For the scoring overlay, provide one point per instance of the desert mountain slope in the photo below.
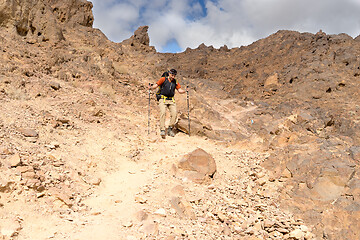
(280, 118)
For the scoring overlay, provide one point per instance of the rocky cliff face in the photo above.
(44, 20)
(306, 89)
(292, 97)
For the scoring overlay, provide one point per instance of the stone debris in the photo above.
(232, 207)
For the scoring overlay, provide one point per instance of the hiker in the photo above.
(165, 95)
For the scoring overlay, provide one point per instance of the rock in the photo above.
(98, 112)
(91, 180)
(309, 235)
(262, 181)
(5, 184)
(182, 208)
(286, 173)
(195, 177)
(141, 216)
(14, 160)
(199, 161)
(283, 230)
(221, 216)
(326, 189)
(178, 191)
(272, 80)
(55, 85)
(140, 36)
(62, 195)
(355, 153)
(268, 223)
(32, 19)
(196, 127)
(5, 151)
(161, 212)
(73, 13)
(140, 40)
(28, 132)
(140, 199)
(297, 234)
(128, 224)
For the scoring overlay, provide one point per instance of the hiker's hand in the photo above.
(150, 85)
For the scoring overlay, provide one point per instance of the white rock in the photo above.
(160, 212)
(297, 234)
(304, 228)
(128, 224)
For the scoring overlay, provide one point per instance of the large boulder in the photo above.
(198, 165)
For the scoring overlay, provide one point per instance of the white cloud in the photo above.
(228, 22)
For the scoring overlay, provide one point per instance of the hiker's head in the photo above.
(173, 72)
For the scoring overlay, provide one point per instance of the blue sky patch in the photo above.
(171, 46)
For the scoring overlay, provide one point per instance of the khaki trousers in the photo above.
(168, 104)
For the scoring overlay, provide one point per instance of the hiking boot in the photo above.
(170, 132)
(162, 133)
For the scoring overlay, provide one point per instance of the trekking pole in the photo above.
(188, 106)
(149, 111)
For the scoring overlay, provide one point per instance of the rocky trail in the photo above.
(137, 199)
(86, 175)
(132, 186)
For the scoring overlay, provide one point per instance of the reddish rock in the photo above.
(27, 132)
(200, 162)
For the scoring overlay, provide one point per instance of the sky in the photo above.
(175, 25)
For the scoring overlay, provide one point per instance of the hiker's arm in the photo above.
(153, 86)
(158, 83)
(181, 91)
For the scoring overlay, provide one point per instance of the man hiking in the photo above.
(167, 85)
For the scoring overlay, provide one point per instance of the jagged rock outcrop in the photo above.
(73, 12)
(31, 19)
(42, 20)
(140, 40)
